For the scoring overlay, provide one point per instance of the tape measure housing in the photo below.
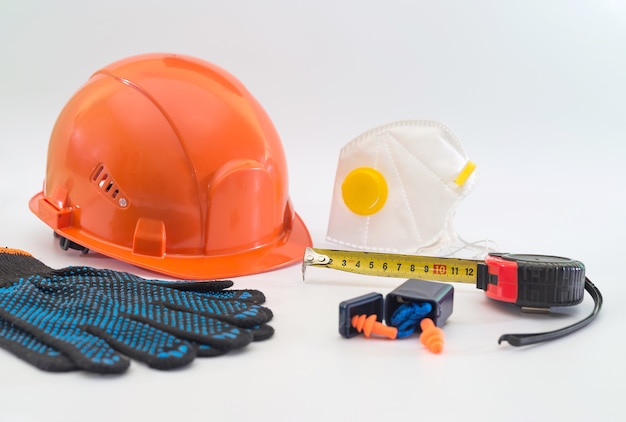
(535, 281)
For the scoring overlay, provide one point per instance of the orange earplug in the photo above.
(368, 326)
(432, 337)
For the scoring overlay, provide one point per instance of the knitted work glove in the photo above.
(95, 319)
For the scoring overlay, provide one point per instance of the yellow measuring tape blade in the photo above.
(393, 265)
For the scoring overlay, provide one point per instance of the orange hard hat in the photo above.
(167, 162)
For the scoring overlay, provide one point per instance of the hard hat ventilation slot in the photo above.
(102, 178)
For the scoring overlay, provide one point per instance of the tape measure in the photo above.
(532, 282)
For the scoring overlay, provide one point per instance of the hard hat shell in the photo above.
(167, 162)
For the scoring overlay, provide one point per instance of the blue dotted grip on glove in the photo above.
(96, 319)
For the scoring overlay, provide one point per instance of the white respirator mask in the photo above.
(397, 188)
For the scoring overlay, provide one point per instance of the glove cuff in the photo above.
(16, 263)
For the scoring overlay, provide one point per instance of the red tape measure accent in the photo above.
(502, 282)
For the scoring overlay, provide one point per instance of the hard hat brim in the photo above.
(286, 251)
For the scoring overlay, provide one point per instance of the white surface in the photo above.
(535, 92)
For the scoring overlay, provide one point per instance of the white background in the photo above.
(535, 92)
